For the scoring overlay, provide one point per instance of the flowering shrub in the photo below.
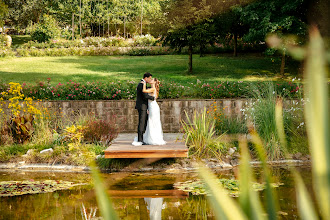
(19, 124)
(168, 90)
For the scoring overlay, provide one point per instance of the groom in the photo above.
(142, 107)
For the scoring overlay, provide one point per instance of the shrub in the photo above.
(2, 41)
(144, 40)
(104, 131)
(46, 30)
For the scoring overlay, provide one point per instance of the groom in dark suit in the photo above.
(142, 107)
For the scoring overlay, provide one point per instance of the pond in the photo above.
(134, 195)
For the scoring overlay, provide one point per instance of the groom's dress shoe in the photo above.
(143, 143)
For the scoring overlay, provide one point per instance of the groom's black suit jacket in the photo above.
(142, 98)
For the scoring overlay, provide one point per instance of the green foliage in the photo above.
(230, 125)
(21, 128)
(46, 30)
(3, 13)
(144, 40)
(274, 16)
(17, 188)
(197, 187)
(199, 136)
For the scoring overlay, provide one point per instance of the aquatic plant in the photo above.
(17, 188)
(199, 136)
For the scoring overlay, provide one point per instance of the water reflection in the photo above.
(155, 207)
(136, 196)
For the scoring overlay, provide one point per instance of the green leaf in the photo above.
(103, 198)
(317, 119)
(224, 207)
(249, 199)
(305, 206)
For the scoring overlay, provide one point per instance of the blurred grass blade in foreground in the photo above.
(317, 119)
(249, 198)
(225, 207)
(103, 199)
(270, 196)
(305, 206)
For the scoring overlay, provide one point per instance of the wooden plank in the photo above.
(148, 193)
(125, 149)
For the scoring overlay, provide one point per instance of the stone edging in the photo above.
(172, 168)
(43, 167)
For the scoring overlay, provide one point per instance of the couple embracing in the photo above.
(150, 130)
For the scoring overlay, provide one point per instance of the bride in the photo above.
(154, 132)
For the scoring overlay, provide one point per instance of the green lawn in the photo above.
(112, 68)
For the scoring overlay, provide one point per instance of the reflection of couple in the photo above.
(155, 206)
(150, 128)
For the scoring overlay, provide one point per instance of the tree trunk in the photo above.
(283, 63)
(190, 51)
(235, 44)
(72, 26)
(201, 50)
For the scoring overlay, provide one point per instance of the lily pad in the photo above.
(197, 187)
(17, 188)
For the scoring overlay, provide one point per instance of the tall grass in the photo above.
(317, 118)
(199, 135)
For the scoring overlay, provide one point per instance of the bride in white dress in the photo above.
(154, 132)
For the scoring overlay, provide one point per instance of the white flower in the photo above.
(283, 88)
(273, 92)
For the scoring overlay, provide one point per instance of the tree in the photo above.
(188, 26)
(229, 26)
(274, 16)
(3, 11)
(21, 13)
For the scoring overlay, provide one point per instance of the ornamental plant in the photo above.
(23, 112)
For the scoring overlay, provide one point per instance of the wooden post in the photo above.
(72, 26)
(235, 44)
(80, 17)
(125, 27)
(190, 51)
(141, 15)
(108, 17)
(282, 63)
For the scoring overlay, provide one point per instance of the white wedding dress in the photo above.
(154, 132)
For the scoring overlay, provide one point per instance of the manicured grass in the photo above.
(112, 68)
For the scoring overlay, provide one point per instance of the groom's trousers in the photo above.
(143, 120)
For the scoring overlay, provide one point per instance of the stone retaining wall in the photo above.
(172, 111)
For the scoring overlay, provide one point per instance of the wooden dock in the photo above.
(125, 149)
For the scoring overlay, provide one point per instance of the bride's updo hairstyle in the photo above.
(157, 82)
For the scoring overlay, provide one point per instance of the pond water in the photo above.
(134, 195)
